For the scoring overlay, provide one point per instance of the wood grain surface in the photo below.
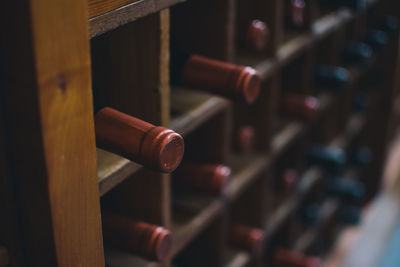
(53, 168)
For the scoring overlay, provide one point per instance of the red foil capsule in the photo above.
(148, 241)
(297, 13)
(247, 238)
(300, 106)
(246, 139)
(222, 78)
(257, 36)
(203, 177)
(289, 180)
(286, 258)
(155, 147)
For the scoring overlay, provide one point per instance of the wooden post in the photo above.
(46, 102)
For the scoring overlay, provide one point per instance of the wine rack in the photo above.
(63, 56)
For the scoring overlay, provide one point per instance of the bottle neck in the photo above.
(330, 77)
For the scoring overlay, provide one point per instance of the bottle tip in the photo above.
(312, 105)
(221, 178)
(249, 84)
(171, 151)
(162, 243)
(257, 35)
(245, 139)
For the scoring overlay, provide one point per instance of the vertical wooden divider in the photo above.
(48, 121)
(357, 25)
(312, 12)
(274, 94)
(306, 79)
(277, 16)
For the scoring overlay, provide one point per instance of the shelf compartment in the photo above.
(355, 124)
(191, 108)
(306, 240)
(104, 18)
(309, 179)
(190, 216)
(245, 170)
(293, 130)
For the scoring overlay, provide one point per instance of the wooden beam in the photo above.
(48, 114)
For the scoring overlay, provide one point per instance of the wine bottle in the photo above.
(155, 147)
(148, 241)
(334, 79)
(361, 102)
(300, 106)
(360, 156)
(245, 139)
(332, 159)
(214, 76)
(356, 53)
(310, 214)
(346, 189)
(296, 13)
(376, 39)
(256, 37)
(246, 238)
(388, 24)
(287, 258)
(352, 4)
(203, 177)
(290, 179)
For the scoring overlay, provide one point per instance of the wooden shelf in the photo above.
(331, 22)
(236, 258)
(190, 108)
(328, 211)
(285, 137)
(117, 258)
(245, 169)
(354, 126)
(112, 19)
(190, 215)
(3, 257)
(113, 169)
(309, 179)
